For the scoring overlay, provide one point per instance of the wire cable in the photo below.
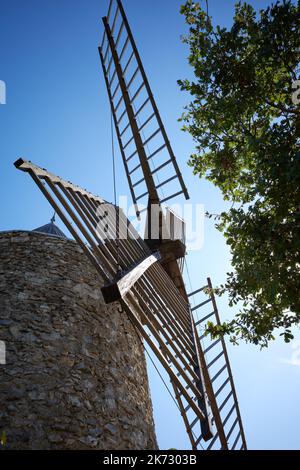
(115, 187)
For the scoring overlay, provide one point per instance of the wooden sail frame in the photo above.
(159, 312)
(123, 90)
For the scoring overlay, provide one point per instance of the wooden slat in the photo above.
(225, 400)
(215, 359)
(232, 428)
(118, 289)
(219, 373)
(201, 305)
(153, 103)
(157, 313)
(197, 291)
(205, 318)
(128, 105)
(120, 70)
(184, 416)
(236, 440)
(25, 165)
(117, 122)
(229, 414)
(175, 329)
(228, 365)
(217, 393)
(211, 346)
(130, 308)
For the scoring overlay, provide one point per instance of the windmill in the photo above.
(144, 275)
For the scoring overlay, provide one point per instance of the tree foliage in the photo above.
(245, 121)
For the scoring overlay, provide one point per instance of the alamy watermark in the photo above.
(2, 353)
(2, 92)
(294, 359)
(178, 222)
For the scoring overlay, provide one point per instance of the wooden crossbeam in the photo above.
(26, 166)
(119, 288)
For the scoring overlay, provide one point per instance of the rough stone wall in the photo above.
(75, 376)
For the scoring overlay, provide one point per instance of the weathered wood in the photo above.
(153, 196)
(174, 324)
(203, 385)
(184, 417)
(151, 97)
(60, 213)
(118, 130)
(129, 308)
(26, 166)
(174, 342)
(228, 365)
(118, 289)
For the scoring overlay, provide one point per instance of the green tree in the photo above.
(244, 117)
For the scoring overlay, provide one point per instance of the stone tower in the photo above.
(75, 374)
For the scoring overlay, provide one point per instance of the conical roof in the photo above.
(51, 229)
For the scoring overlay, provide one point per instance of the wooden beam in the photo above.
(209, 283)
(118, 289)
(131, 306)
(26, 166)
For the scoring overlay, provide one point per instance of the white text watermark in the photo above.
(2, 92)
(178, 222)
(2, 353)
(294, 359)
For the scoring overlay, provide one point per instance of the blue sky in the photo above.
(57, 115)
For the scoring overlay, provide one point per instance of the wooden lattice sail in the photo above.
(150, 164)
(161, 314)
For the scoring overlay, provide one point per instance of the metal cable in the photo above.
(115, 186)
